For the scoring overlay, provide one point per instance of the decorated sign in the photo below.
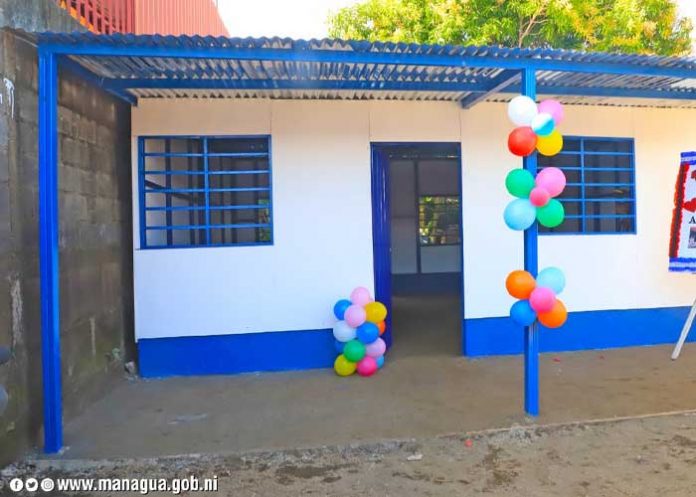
(682, 244)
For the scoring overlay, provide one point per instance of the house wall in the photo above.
(323, 238)
(95, 235)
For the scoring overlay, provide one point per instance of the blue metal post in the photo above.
(48, 250)
(531, 333)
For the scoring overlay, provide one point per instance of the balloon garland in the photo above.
(357, 334)
(536, 130)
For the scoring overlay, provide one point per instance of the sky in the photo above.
(305, 18)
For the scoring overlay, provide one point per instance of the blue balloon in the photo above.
(553, 278)
(367, 332)
(340, 308)
(520, 214)
(339, 346)
(380, 361)
(522, 313)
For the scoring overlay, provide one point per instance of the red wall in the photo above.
(178, 17)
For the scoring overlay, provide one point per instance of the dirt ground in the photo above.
(652, 456)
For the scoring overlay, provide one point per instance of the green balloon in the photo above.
(354, 350)
(552, 214)
(519, 183)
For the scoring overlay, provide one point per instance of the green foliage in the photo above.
(629, 26)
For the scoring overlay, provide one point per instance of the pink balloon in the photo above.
(539, 197)
(552, 180)
(553, 107)
(376, 348)
(367, 366)
(355, 316)
(542, 299)
(360, 296)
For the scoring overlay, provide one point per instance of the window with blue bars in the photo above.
(205, 191)
(600, 196)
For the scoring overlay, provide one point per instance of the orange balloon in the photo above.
(556, 317)
(382, 327)
(520, 284)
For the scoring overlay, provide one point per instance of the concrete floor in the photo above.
(426, 389)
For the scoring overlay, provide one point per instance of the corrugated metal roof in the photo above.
(153, 66)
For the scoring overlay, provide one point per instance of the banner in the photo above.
(682, 244)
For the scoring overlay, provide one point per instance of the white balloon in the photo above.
(343, 333)
(521, 110)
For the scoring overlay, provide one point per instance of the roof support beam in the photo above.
(90, 77)
(293, 84)
(501, 82)
(542, 61)
(480, 90)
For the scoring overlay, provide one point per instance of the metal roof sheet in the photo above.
(154, 66)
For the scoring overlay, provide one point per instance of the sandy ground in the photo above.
(653, 456)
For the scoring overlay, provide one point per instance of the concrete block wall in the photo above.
(95, 242)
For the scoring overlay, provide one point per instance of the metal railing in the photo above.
(102, 16)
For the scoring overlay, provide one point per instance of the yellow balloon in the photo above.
(550, 145)
(376, 312)
(343, 366)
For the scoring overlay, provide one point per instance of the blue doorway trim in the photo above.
(48, 251)
(381, 235)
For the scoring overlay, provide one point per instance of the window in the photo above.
(205, 191)
(438, 220)
(600, 196)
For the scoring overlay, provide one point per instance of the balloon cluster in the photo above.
(535, 198)
(537, 297)
(357, 333)
(536, 126)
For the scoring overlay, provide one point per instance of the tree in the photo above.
(628, 26)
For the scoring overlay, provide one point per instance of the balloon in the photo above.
(550, 145)
(520, 284)
(340, 308)
(522, 313)
(360, 296)
(380, 361)
(376, 312)
(376, 348)
(542, 299)
(539, 196)
(554, 108)
(543, 124)
(367, 332)
(382, 325)
(552, 214)
(355, 315)
(367, 366)
(552, 180)
(343, 366)
(519, 183)
(521, 141)
(343, 332)
(521, 110)
(556, 317)
(339, 346)
(519, 214)
(553, 278)
(354, 350)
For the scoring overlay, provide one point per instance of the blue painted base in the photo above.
(227, 354)
(583, 330)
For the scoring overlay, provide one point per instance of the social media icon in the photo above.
(16, 485)
(31, 485)
(47, 485)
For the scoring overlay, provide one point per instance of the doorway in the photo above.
(417, 212)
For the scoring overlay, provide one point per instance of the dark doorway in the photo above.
(418, 188)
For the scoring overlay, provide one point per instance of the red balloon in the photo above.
(522, 141)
